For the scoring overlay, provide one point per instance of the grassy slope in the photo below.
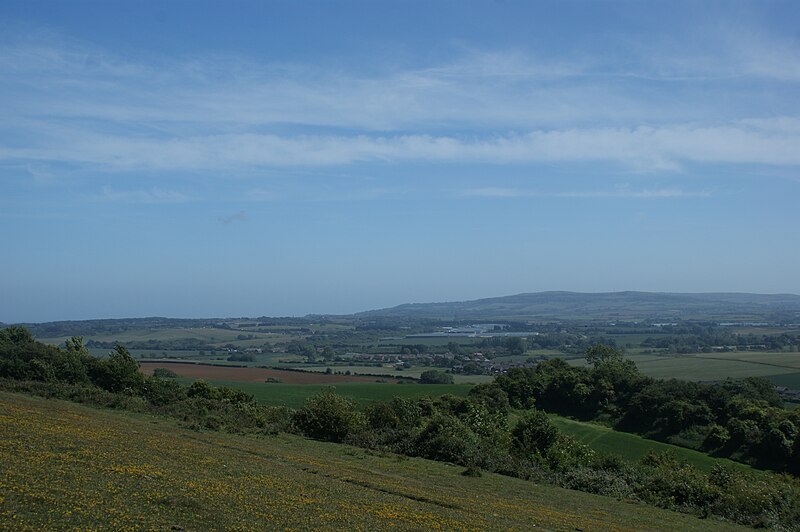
(68, 466)
(633, 447)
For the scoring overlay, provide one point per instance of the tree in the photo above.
(448, 439)
(119, 372)
(164, 373)
(534, 434)
(433, 376)
(491, 396)
(515, 345)
(328, 416)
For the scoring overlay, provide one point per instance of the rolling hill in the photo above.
(607, 306)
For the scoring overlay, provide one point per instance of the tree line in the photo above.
(743, 419)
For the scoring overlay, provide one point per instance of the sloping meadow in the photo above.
(65, 466)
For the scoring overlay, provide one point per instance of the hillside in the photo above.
(70, 466)
(607, 306)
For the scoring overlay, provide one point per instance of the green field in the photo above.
(633, 447)
(294, 395)
(414, 372)
(211, 335)
(432, 341)
(713, 366)
(67, 466)
(790, 380)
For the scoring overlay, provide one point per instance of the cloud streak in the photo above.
(151, 196)
(73, 104)
(645, 149)
(500, 192)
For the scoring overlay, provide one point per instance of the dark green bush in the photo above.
(447, 439)
(164, 373)
(534, 434)
(328, 416)
(433, 376)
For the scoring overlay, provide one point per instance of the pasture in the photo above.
(67, 466)
(632, 447)
(790, 380)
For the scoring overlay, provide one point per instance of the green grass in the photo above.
(67, 466)
(432, 341)
(211, 335)
(632, 447)
(294, 395)
(635, 339)
(790, 380)
(784, 359)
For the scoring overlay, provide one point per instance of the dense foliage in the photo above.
(72, 373)
(743, 419)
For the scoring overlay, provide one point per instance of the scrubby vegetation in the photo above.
(475, 431)
(744, 419)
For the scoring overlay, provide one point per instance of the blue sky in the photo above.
(283, 158)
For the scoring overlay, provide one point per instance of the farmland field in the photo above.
(294, 395)
(223, 373)
(790, 380)
(415, 372)
(713, 366)
(68, 466)
(212, 335)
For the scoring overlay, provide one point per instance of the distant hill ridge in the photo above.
(541, 306)
(609, 305)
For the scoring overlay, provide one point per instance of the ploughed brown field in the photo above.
(226, 373)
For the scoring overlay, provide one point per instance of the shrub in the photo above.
(433, 376)
(492, 396)
(161, 392)
(534, 434)
(447, 439)
(164, 373)
(328, 416)
(118, 373)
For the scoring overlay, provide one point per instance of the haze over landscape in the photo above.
(285, 158)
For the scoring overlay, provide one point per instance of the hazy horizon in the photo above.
(313, 313)
(281, 159)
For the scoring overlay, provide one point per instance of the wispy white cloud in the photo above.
(622, 192)
(74, 104)
(645, 149)
(153, 195)
(509, 89)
